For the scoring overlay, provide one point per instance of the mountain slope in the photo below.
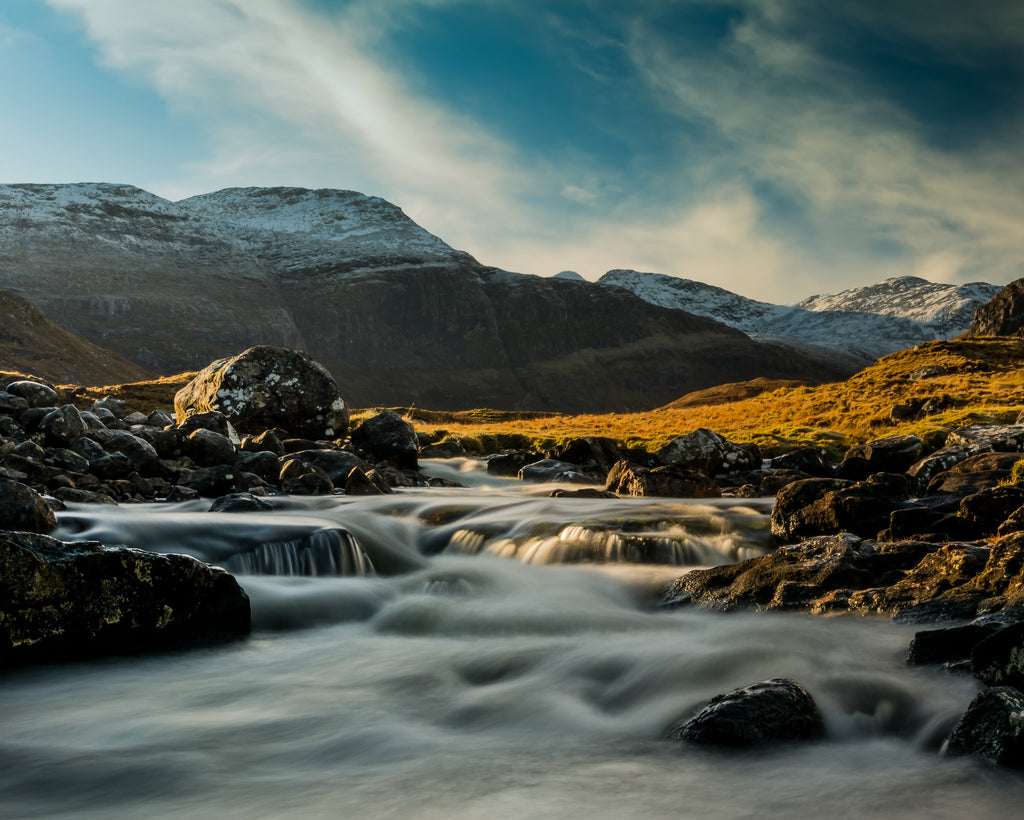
(867, 322)
(31, 344)
(396, 314)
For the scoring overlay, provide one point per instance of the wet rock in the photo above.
(325, 552)
(388, 437)
(75, 495)
(240, 502)
(586, 492)
(336, 463)
(892, 454)
(992, 727)
(998, 660)
(22, 508)
(548, 470)
(268, 440)
(358, 483)
(595, 454)
(809, 460)
(628, 478)
(708, 452)
(212, 482)
(265, 387)
(178, 493)
(822, 506)
(263, 464)
(772, 711)
(209, 449)
(509, 464)
(449, 448)
(949, 644)
(63, 425)
(66, 601)
(816, 575)
(35, 393)
(301, 478)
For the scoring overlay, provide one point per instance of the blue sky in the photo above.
(778, 148)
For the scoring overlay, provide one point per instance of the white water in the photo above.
(469, 686)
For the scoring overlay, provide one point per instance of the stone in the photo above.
(63, 425)
(819, 506)
(240, 502)
(22, 508)
(509, 464)
(998, 660)
(268, 440)
(892, 454)
(992, 727)
(776, 710)
(336, 463)
(266, 387)
(388, 437)
(118, 408)
(35, 393)
(706, 451)
(810, 460)
(209, 449)
(212, 420)
(159, 419)
(11, 404)
(359, 483)
(263, 464)
(449, 448)
(1004, 438)
(548, 469)
(64, 601)
(1003, 316)
(112, 466)
(75, 495)
(212, 482)
(140, 452)
(942, 460)
(301, 478)
(990, 507)
(948, 644)
(628, 478)
(593, 453)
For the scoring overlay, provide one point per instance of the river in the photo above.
(505, 660)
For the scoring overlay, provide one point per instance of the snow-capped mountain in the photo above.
(868, 322)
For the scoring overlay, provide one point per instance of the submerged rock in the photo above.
(771, 711)
(265, 387)
(63, 601)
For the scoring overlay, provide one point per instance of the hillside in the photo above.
(31, 344)
(397, 315)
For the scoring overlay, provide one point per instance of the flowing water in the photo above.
(440, 679)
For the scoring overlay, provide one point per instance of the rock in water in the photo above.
(22, 508)
(992, 727)
(63, 601)
(266, 387)
(388, 437)
(774, 710)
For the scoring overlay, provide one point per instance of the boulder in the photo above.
(892, 454)
(1006, 438)
(925, 469)
(22, 508)
(11, 404)
(359, 483)
(628, 478)
(388, 437)
(593, 453)
(772, 711)
(212, 482)
(261, 463)
(35, 393)
(988, 509)
(209, 449)
(1003, 316)
(548, 470)
(706, 451)
(210, 420)
(998, 660)
(449, 448)
(509, 464)
(819, 506)
(63, 425)
(267, 441)
(301, 478)
(140, 452)
(336, 463)
(949, 644)
(64, 601)
(240, 502)
(992, 727)
(266, 387)
(810, 460)
(118, 408)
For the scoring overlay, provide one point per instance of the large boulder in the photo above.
(22, 508)
(266, 387)
(820, 506)
(892, 454)
(61, 601)
(771, 711)
(991, 727)
(708, 452)
(388, 437)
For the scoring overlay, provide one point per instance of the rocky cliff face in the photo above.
(1003, 316)
(397, 315)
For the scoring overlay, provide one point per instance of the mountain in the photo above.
(397, 315)
(865, 322)
(31, 344)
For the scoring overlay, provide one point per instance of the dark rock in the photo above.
(66, 460)
(22, 508)
(300, 478)
(1014, 523)
(991, 507)
(159, 419)
(66, 601)
(586, 492)
(992, 727)
(265, 387)
(771, 711)
(1008, 438)
(209, 449)
(593, 453)
(240, 502)
(388, 437)
(358, 483)
(11, 404)
(30, 450)
(628, 478)
(548, 470)
(810, 460)
(998, 660)
(141, 453)
(118, 408)
(212, 482)
(210, 420)
(178, 493)
(74, 495)
(336, 463)
(167, 443)
(706, 451)
(892, 454)
(63, 425)
(449, 448)
(297, 445)
(925, 469)
(949, 644)
(36, 394)
(1003, 316)
(773, 482)
(820, 506)
(509, 464)
(267, 440)
(263, 464)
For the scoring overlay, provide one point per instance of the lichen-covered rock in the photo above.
(708, 452)
(63, 425)
(388, 437)
(771, 711)
(992, 727)
(22, 508)
(266, 387)
(35, 393)
(61, 601)
(998, 660)
(1006, 438)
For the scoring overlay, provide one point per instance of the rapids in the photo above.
(439, 679)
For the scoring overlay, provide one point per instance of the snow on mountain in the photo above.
(868, 322)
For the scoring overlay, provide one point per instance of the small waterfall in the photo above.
(324, 552)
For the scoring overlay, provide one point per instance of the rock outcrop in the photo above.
(1003, 316)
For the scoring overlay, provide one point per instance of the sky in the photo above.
(777, 148)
